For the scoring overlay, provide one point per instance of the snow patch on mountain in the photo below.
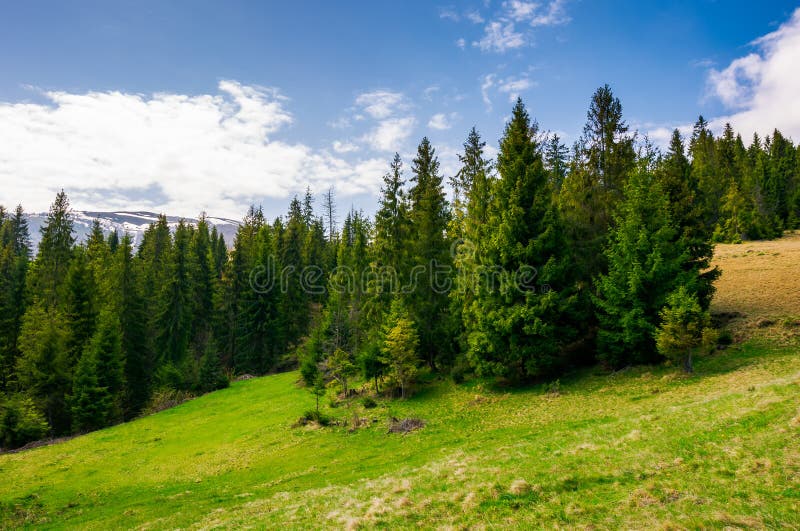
(133, 223)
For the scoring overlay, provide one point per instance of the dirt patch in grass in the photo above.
(405, 425)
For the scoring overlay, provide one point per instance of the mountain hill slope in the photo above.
(133, 223)
(643, 448)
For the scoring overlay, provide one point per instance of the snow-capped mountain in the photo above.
(134, 223)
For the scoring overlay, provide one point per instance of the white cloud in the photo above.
(343, 122)
(759, 88)
(762, 87)
(392, 123)
(515, 86)
(661, 135)
(534, 13)
(512, 86)
(520, 10)
(486, 85)
(441, 121)
(449, 13)
(475, 17)
(167, 152)
(344, 147)
(381, 104)
(500, 37)
(390, 134)
(554, 15)
(702, 63)
(430, 91)
(461, 43)
(734, 84)
(502, 34)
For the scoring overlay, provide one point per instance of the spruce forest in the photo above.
(523, 269)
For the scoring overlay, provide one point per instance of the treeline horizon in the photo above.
(619, 237)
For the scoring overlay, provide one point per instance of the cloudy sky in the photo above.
(182, 107)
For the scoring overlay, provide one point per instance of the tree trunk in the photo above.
(687, 364)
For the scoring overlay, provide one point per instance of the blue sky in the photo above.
(190, 106)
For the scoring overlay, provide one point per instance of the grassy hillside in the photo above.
(642, 448)
(760, 281)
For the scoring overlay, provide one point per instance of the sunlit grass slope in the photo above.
(636, 449)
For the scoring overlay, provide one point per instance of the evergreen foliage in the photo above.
(515, 323)
(400, 347)
(685, 328)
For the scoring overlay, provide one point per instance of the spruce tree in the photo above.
(259, 337)
(55, 252)
(430, 250)
(479, 193)
(80, 307)
(390, 249)
(677, 180)
(392, 224)
(685, 328)
(21, 422)
(474, 168)
(153, 271)
(703, 152)
(475, 180)
(517, 323)
(235, 285)
(646, 262)
(295, 300)
(779, 181)
(129, 304)
(598, 169)
(609, 149)
(329, 210)
(112, 241)
(175, 306)
(18, 227)
(555, 161)
(14, 264)
(98, 386)
(400, 347)
(90, 403)
(308, 207)
(43, 368)
(8, 322)
(211, 377)
(219, 251)
(203, 279)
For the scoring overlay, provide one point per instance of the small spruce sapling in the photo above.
(318, 389)
(685, 329)
(400, 347)
(341, 368)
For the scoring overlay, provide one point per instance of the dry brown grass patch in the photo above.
(643, 498)
(739, 521)
(519, 487)
(759, 290)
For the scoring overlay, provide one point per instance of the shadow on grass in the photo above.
(585, 380)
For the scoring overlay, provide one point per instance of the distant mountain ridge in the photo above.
(133, 223)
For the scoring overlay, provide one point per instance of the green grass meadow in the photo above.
(643, 448)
